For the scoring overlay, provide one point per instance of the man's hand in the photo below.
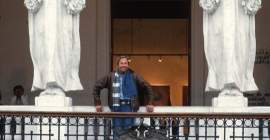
(99, 108)
(149, 108)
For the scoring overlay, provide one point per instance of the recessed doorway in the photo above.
(155, 35)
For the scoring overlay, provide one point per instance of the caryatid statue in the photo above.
(230, 45)
(55, 44)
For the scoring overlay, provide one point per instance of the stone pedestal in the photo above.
(230, 101)
(229, 104)
(53, 103)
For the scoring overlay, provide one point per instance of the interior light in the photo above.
(160, 59)
(129, 60)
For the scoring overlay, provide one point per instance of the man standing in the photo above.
(124, 87)
(19, 97)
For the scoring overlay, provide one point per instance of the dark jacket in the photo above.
(143, 87)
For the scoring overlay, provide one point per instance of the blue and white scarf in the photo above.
(128, 86)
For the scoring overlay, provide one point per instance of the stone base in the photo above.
(53, 101)
(228, 104)
(230, 101)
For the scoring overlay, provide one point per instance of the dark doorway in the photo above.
(151, 9)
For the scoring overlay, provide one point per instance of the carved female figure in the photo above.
(230, 44)
(55, 44)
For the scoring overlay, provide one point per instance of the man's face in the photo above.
(123, 65)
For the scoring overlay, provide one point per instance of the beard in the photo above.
(123, 69)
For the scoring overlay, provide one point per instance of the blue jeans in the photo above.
(120, 124)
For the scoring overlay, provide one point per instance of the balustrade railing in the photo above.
(186, 125)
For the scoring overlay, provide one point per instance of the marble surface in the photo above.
(230, 101)
(230, 43)
(159, 109)
(54, 41)
(53, 101)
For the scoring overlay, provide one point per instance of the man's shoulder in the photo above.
(137, 76)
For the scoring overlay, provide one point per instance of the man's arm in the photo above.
(99, 85)
(146, 86)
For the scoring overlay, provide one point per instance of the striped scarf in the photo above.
(116, 83)
(129, 89)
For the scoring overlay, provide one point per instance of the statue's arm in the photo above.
(209, 6)
(75, 6)
(251, 7)
(33, 5)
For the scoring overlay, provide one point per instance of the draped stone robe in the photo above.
(230, 43)
(55, 42)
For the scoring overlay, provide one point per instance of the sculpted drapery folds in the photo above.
(73, 6)
(230, 44)
(55, 43)
(209, 5)
(250, 6)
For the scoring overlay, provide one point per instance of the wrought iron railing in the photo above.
(45, 125)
